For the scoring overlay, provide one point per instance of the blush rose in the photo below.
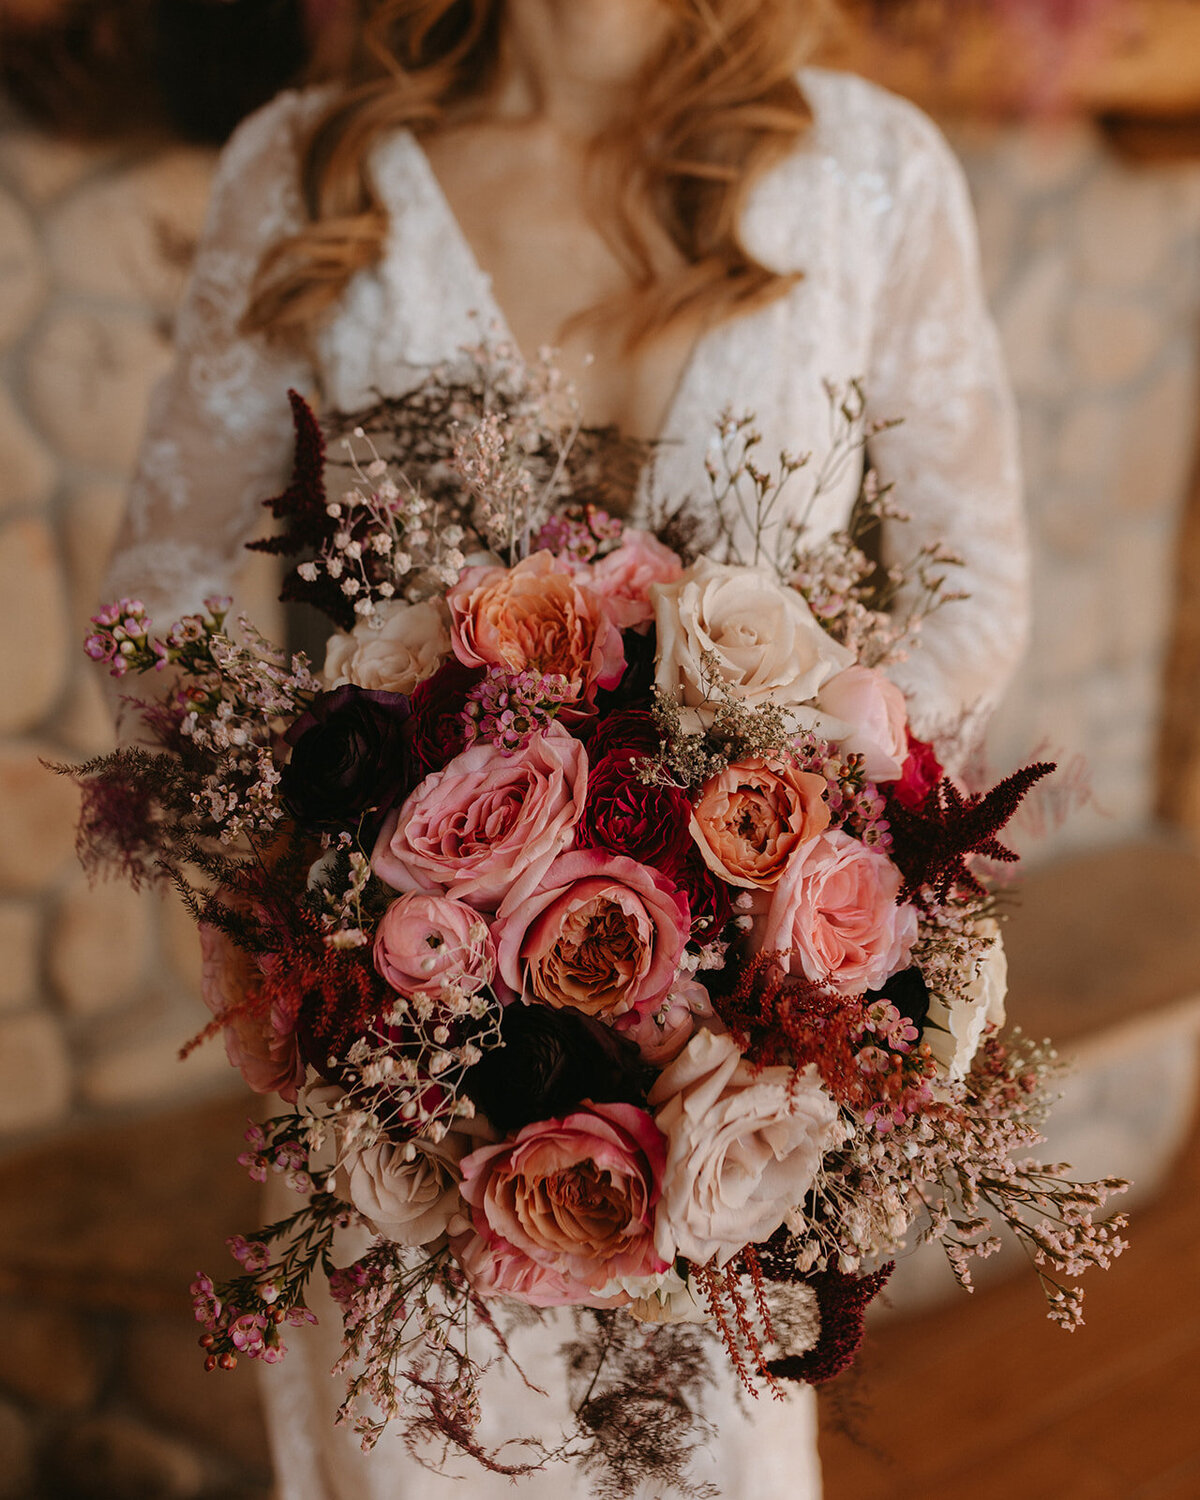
(575, 1197)
(397, 647)
(260, 1035)
(743, 1148)
(875, 711)
(752, 817)
(622, 579)
(601, 934)
(836, 907)
(425, 943)
(487, 822)
(408, 1191)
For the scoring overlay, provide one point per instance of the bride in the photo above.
(664, 193)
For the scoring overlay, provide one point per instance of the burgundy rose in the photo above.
(633, 690)
(922, 771)
(625, 729)
(708, 897)
(348, 759)
(435, 732)
(648, 823)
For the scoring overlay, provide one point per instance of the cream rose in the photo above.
(393, 650)
(766, 644)
(743, 1147)
(409, 1191)
(954, 1030)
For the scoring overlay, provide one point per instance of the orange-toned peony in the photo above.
(752, 818)
(536, 617)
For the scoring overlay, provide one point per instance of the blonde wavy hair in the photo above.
(718, 106)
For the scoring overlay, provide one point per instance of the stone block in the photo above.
(1113, 341)
(20, 939)
(116, 1458)
(48, 1356)
(85, 721)
(1158, 437)
(1124, 227)
(89, 378)
(164, 1373)
(92, 517)
(33, 607)
(181, 945)
(16, 1454)
(133, 234)
(98, 946)
(1069, 626)
(1030, 322)
(1049, 156)
(22, 278)
(42, 167)
(998, 214)
(38, 813)
(1089, 440)
(146, 1069)
(35, 1074)
(28, 472)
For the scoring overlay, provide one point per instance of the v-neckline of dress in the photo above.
(494, 315)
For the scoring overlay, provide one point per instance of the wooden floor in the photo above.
(987, 1400)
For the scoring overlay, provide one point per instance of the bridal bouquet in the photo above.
(613, 940)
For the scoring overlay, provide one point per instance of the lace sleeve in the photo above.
(218, 436)
(936, 364)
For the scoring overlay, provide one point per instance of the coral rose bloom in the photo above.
(836, 906)
(260, 1033)
(600, 934)
(487, 822)
(536, 617)
(576, 1197)
(753, 816)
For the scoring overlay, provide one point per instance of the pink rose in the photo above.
(622, 579)
(661, 1033)
(260, 1035)
(536, 617)
(836, 907)
(600, 933)
(875, 710)
(424, 944)
(743, 1147)
(753, 816)
(487, 823)
(574, 1197)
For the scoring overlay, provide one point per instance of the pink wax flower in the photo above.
(836, 907)
(487, 822)
(573, 1197)
(600, 933)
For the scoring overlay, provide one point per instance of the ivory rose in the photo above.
(743, 1147)
(600, 933)
(622, 579)
(874, 709)
(409, 1190)
(394, 649)
(836, 906)
(424, 943)
(536, 617)
(752, 817)
(575, 1197)
(766, 643)
(487, 822)
(260, 1033)
(954, 1030)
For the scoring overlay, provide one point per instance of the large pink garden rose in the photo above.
(537, 617)
(836, 907)
(600, 933)
(260, 1038)
(753, 816)
(743, 1147)
(573, 1197)
(873, 709)
(487, 823)
(424, 944)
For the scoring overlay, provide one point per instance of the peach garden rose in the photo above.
(750, 820)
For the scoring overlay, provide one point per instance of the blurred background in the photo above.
(1078, 124)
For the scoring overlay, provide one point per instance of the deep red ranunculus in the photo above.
(646, 822)
(435, 731)
(624, 729)
(709, 898)
(922, 772)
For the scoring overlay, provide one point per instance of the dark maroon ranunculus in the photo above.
(348, 761)
(908, 992)
(436, 732)
(633, 690)
(709, 898)
(648, 823)
(921, 772)
(626, 729)
(551, 1060)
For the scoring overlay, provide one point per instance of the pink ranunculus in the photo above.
(601, 934)
(260, 1038)
(536, 617)
(753, 816)
(425, 943)
(836, 907)
(575, 1197)
(743, 1147)
(622, 579)
(875, 710)
(487, 823)
(663, 1032)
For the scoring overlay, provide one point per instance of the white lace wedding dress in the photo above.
(872, 209)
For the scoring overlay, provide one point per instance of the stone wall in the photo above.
(1092, 267)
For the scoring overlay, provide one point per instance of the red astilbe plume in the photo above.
(732, 1314)
(932, 843)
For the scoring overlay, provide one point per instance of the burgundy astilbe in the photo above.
(932, 843)
(842, 1302)
(131, 802)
